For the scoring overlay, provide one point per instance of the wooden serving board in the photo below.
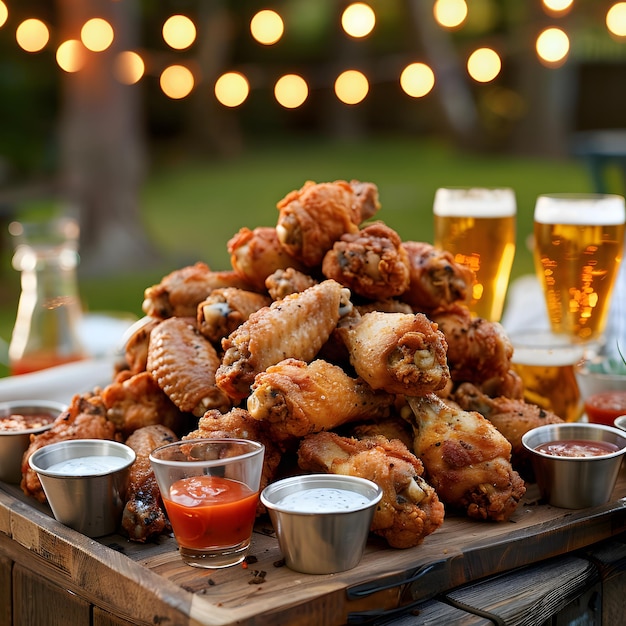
(149, 584)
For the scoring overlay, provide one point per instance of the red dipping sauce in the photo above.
(603, 407)
(577, 448)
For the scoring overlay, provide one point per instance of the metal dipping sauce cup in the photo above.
(210, 488)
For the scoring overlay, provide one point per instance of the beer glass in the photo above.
(579, 240)
(477, 225)
(546, 364)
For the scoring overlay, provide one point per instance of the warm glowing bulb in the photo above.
(4, 13)
(128, 67)
(358, 20)
(176, 81)
(616, 19)
(351, 87)
(552, 46)
(417, 80)
(450, 13)
(291, 91)
(231, 89)
(32, 35)
(484, 65)
(179, 32)
(71, 55)
(557, 5)
(267, 27)
(96, 34)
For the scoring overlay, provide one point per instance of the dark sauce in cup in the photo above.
(18, 421)
(573, 448)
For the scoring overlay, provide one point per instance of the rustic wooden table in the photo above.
(50, 574)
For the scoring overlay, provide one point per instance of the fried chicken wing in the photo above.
(139, 401)
(437, 281)
(255, 254)
(295, 398)
(281, 283)
(225, 309)
(513, 417)
(312, 218)
(371, 263)
(392, 427)
(136, 346)
(183, 363)
(179, 292)
(398, 352)
(467, 460)
(238, 423)
(478, 350)
(410, 508)
(144, 514)
(296, 326)
(85, 418)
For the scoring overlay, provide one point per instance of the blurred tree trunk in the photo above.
(102, 144)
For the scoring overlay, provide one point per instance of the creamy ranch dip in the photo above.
(323, 500)
(88, 465)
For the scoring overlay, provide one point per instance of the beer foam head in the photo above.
(545, 349)
(474, 202)
(583, 209)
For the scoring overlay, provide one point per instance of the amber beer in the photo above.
(477, 225)
(545, 364)
(579, 242)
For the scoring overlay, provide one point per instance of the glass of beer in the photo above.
(579, 241)
(546, 363)
(477, 225)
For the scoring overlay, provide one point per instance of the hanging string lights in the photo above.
(267, 28)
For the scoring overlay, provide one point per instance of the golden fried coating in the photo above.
(183, 363)
(295, 398)
(371, 263)
(398, 352)
(478, 350)
(467, 460)
(392, 427)
(312, 218)
(437, 281)
(144, 514)
(255, 254)
(281, 283)
(139, 401)
(296, 326)
(238, 423)
(410, 508)
(136, 347)
(85, 418)
(179, 293)
(225, 309)
(512, 417)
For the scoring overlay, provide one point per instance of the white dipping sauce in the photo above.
(323, 500)
(88, 465)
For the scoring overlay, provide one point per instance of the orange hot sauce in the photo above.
(211, 511)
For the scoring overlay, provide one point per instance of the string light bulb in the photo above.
(71, 56)
(179, 32)
(176, 81)
(351, 87)
(267, 27)
(32, 35)
(291, 91)
(232, 89)
(358, 20)
(552, 47)
(616, 19)
(96, 34)
(4, 13)
(417, 80)
(484, 65)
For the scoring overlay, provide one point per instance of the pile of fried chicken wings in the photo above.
(340, 347)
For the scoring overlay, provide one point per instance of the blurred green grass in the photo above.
(191, 207)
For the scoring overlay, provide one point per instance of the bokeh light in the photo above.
(616, 19)
(267, 27)
(179, 32)
(71, 55)
(558, 6)
(291, 91)
(358, 20)
(4, 13)
(32, 35)
(96, 34)
(483, 65)
(176, 81)
(552, 46)
(232, 89)
(417, 80)
(128, 67)
(351, 87)
(450, 13)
